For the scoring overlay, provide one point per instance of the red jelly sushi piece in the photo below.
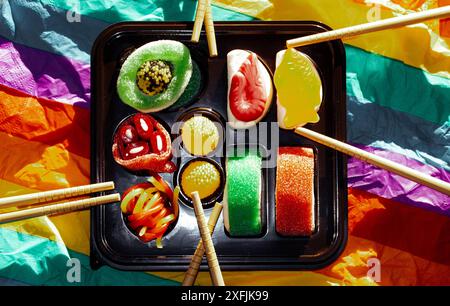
(136, 149)
(158, 142)
(294, 193)
(144, 126)
(128, 134)
(247, 94)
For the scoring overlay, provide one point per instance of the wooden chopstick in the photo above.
(54, 195)
(191, 274)
(204, 15)
(213, 263)
(210, 32)
(379, 25)
(198, 22)
(58, 208)
(373, 159)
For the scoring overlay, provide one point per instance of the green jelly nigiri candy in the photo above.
(242, 198)
(155, 75)
(299, 89)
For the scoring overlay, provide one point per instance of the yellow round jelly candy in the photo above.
(299, 90)
(200, 135)
(201, 176)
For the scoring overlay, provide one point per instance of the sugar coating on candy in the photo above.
(295, 191)
(200, 135)
(299, 89)
(200, 176)
(191, 90)
(243, 195)
(175, 55)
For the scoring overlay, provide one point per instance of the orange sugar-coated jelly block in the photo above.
(294, 193)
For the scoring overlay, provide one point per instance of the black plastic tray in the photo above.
(113, 244)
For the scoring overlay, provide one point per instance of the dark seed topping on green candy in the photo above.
(153, 77)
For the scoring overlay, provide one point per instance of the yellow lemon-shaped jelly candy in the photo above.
(299, 90)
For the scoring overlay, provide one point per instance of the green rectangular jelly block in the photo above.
(244, 194)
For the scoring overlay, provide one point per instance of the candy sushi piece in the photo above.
(299, 89)
(294, 194)
(201, 176)
(200, 135)
(242, 195)
(191, 90)
(154, 76)
(142, 143)
(250, 89)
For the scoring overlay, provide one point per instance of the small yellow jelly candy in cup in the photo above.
(200, 135)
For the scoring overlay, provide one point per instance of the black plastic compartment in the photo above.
(111, 241)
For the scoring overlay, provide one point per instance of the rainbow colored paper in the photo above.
(398, 85)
